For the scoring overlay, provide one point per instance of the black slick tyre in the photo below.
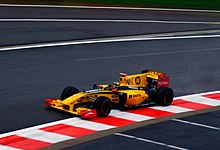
(103, 106)
(69, 91)
(165, 96)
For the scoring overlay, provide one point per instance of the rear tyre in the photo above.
(165, 96)
(103, 106)
(69, 91)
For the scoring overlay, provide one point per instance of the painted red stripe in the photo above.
(22, 143)
(68, 130)
(213, 96)
(110, 120)
(150, 112)
(190, 105)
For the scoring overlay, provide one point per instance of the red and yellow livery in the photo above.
(131, 91)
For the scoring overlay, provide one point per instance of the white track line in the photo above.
(196, 124)
(116, 8)
(103, 40)
(110, 20)
(150, 141)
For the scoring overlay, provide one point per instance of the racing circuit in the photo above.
(44, 49)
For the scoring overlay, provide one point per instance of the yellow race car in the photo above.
(131, 91)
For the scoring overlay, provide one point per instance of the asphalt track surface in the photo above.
(31, 75)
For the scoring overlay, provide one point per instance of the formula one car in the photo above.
(131, 91)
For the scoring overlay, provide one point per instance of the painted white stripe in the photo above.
(103, 40)
(44, 136)
(110, 20)
(150, 141)
(77, 122)
(173, 109)
(119, 8)
(7, 148)
(35, 127)
(201, 100)
(196, 124)
(129, 116)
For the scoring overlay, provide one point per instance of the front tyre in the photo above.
(69, 91)
(103, 106)
(165, 96)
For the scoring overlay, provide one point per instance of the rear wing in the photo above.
(140, 80)
(163, 81)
